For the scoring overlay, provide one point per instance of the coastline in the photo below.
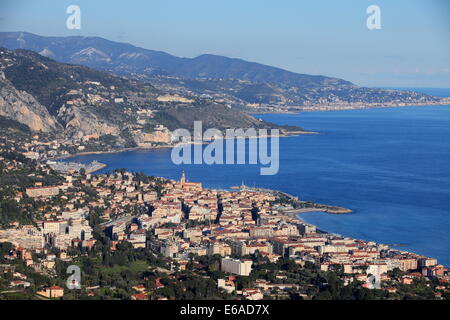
(87, 153)
(316, 207)
(143, 148)
(296, 214)
(345, 107)
(321, 208)
(292, 213)
(285, 134)
(310, 206)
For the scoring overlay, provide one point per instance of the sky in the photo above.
(412, 48)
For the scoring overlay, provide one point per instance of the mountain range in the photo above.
(107, 95)
(236, 82)
(82, 104)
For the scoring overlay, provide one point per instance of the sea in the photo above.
(391, 166)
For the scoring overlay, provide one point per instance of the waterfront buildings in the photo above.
(180, 219)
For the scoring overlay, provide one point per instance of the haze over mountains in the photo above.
(83, 104)
(118, 95)
(125, 58)
(236, 82)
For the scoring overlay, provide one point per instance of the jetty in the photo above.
(300, 206)
(243, 187)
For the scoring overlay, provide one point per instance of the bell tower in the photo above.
(183, 177)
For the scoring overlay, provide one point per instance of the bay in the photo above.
(391, 166)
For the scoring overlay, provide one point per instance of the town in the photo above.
(139, 237)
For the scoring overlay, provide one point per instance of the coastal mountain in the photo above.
(80, 104)
(24, 107)
(123, 58)
(236, 82)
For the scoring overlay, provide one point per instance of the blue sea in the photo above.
(390, 166)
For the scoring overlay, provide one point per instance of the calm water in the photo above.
(391, 166)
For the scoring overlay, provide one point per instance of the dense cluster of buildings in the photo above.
(178, 219)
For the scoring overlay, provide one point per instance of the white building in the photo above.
(235, 266)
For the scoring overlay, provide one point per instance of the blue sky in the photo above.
(412, 48)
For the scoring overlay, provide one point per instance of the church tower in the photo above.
(183, 177)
